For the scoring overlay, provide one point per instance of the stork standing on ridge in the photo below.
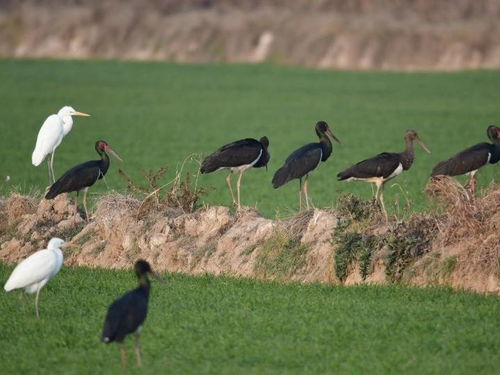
(238, 156)
(50, 136)
(305, 159)
(471, 159)
(127, 314)
(384, 167)
(36, 270)
(84, 175)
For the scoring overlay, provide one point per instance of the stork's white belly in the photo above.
(396, 172)
(244, 167)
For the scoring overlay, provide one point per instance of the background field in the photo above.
(156, 114)
(221, 325)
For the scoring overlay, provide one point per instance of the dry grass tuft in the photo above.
(297, 225)
(112, 207)
(464, 216)
(183, 192)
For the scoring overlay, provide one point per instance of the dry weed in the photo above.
(182, 193)
(464, 216)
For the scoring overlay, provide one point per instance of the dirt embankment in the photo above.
(460, 247)
(354, 34)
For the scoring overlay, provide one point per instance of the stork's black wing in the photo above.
(382, 165)
(124, 316)
(77, 178)
(465, 161)
(235, 154)
(298, 164)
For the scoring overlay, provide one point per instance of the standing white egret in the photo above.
(51, 135)
(34, 272)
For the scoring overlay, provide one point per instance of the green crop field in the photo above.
(210, 325)
(156, 114)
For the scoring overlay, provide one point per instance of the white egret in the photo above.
(51, 135)
(34, 272)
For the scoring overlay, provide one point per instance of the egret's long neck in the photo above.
(67, 124)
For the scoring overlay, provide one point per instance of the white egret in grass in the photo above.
(36, 270)
(51, 135)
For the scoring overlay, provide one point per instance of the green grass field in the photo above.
(211, 325)
(156, 114)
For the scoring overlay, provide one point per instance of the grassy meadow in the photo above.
(156, 114)
(209, 325)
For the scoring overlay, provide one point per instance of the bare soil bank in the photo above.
(459, 247)
(355, 34)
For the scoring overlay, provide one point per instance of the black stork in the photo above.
(238, 156)
(384, 167)
(305, 159)
(84, 175)
(127, 314)
(472, 158)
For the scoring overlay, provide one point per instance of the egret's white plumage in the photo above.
(51, 135)
(36, 270)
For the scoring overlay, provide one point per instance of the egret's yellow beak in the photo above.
(80, 114)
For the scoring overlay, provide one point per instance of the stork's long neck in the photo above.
(408, 155)
(104, 160)
(326, 146)
(495, 151)
(144, 283)
(67, 124)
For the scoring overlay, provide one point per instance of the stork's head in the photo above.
(323, 128)
(142, 267)
(411, 135)
(101, 146)
(493, 133)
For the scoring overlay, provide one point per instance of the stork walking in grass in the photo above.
(384, 167)
(36, 270)
(127, 314)
(238, 156)
(84, 175)
(50, 136)
(472, 159)
(304, 160)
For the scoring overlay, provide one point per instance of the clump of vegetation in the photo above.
(354, 242)
(354, 246)
(408, 241)
(181, 192)
(349, 245)
(281, 256)
(357, 209)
